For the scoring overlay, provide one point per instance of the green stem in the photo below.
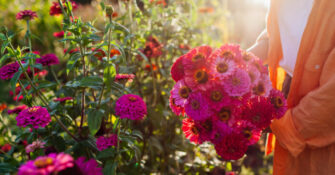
(30, 47)
(54, 74)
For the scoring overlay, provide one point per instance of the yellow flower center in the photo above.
(43, 162)
(246, 57)
(132, 99)
(198, 57)
(227, 54)
(259, 89)
(247, 134)
(278, 102)
(33, 109)
(222, 67)
(224, 114)
(184, 91)
(216, 95)
(201, 76)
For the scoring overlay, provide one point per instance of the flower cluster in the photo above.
(153, 48)
(48, 60)
(130, 106)
(59, 163)
(36, 116)
(227, 96)
(106, 142)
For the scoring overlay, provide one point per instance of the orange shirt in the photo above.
(306, 133)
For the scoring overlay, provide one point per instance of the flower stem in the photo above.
(54, 74)
(30, 47)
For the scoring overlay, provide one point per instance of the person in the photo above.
(300, 38)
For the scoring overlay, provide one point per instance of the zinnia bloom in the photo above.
(178, 110)
(197, 107)
(106, 142)
(177, 69)
(48, 60)
(221, 68)
(231, 147)
(8, 71)
(36, 116)
(130, 106)
(63, 99)
(207, 130)
(259, 112)
(60, 34)
(238, 83)
(221, 130)
(198, 79)
(263, 86)
(46, 165)
(6, 147)
(90, 167)
(227, 115)
(228, 52)
(253, 73)
(26, 15)
(278, 100)
(35, 145)
(217, 97)
(249, 131)
(191, 130)
(17, 109)
(180, 93)
(196, 58)
(56, 10)
(124, 77)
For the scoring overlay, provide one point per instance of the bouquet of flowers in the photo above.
(227, 97)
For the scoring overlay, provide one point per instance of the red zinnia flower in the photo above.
(191, 130)
(231, 147)
(6, 147)
(26, 15)
(177, 69)
(56, 10)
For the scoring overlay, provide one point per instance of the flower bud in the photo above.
(109, 10)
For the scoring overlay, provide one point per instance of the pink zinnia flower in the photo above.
(197, 107)
(263, 86)
(259, 112)
(46, 165)
(130, 106)
(259, 65)
(106, 142)
(248, 57)
(217, 97)
(26, 15)
(278, 100)
(90, 167)
(178, 110)
(227, 115)
(35, 145)
(231, 147)
(8, 71)
(228, 52)
(63, 99)
(180, 93)
(36, 116)
(249, 131)
(196, 57)
(177, 69)
(60, 34)
(221, 68)
(198, 79)
(238, 83)
(124, 77)
(253, 73)
(48, 60)
(191, 130)
(17, 109)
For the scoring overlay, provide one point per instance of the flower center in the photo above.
(224, 114)
(278, 102)
(247, 134)
(259, 89)
(207, 125)
(43, 162)
(184, 91)
(33, 109)
(132, 99)
(222, 67)
(247, 57)
(201, 76)
(227, 54)
(195, 104)
(198, 57)
(216, 95)
(256, 118)
(194, 130)
(236, 81)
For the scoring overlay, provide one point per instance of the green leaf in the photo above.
(107, 153)
(4, 58)
(72, 62)
(4, 46)
(7, 168)
(109, 168)
(3, 37)
(109, 75)
(14, 79)
(94, 120)
(92, 82)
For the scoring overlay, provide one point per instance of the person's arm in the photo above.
(312, 121)
(260, 48)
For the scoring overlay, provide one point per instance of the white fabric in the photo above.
(292, 19)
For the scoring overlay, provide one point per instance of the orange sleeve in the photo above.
(312, 121)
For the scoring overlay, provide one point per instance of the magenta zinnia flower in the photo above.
(90, 167)
(217, 97)
(180, 93)
(249, 131)
(124, 77)
(26, 15)
(8, 71)
(221, 130)
(36, 116)
(17, 109)
(191, 130)
(197, 107)
(178, 110)
(198, 79)
(259, 112)
(130, 106)
(279, 102)
(46, 165)
(196, 58)
(207, 130)
(221, 68)
(63, 99)
(231, 147)
(177, 69)
(48, 60)
(106, 142)
(263, 86)
(227, 115)
(238, 83)
(228, 52)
